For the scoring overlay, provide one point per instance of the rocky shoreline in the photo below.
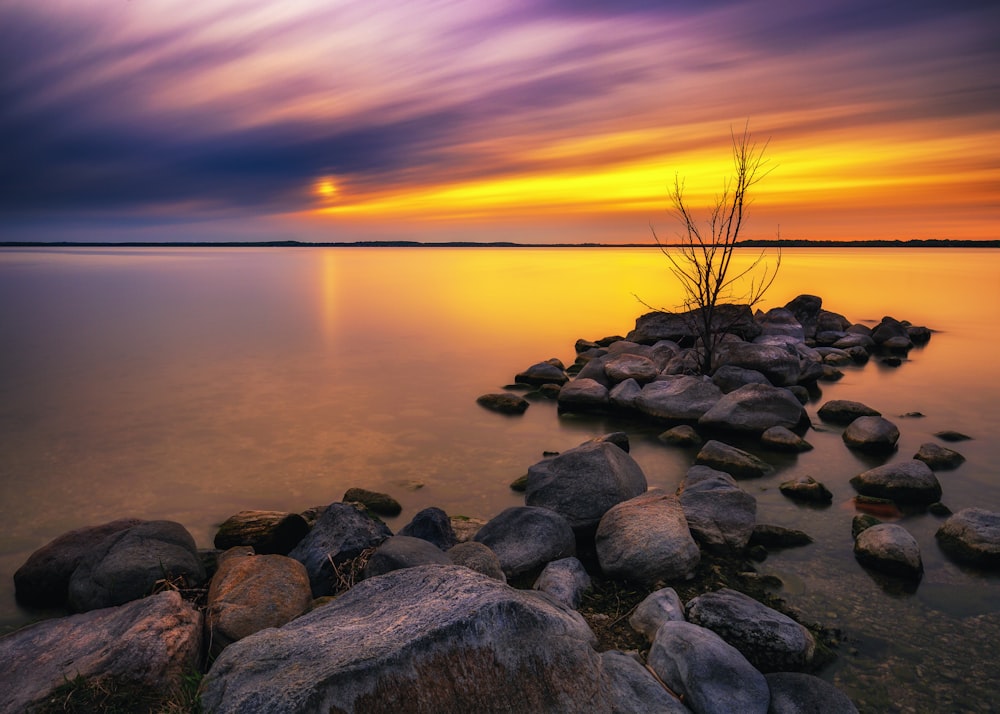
(599, 594)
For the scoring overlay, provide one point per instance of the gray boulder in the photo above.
(478, 557)
(147, 646)
(542, 373)
(431, 638)
(780, 438)
(939, 458)
(432, 525)
(903, 481)
(341, 533)
(581, 484)
(771, 641)
(778, 364)
(729, 378)
(635, 689)
(889, 548)
(565, 580)
(630, 366)
(972, 536)
(720, 515)
(681, 435)
(678, 398)
(682, 327)
(755, 408)
(659, 606)
(525, 538)
(583, 395)
(128, 565)
(800, 693)
(872, 434)
(844, 411)
(806, 309)
(806, 488)
(736, 462)
(710, 675)
(43, 580)
(646, 539)
(781, 321)
(397, 552)
(624, 395)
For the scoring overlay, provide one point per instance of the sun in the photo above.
(325, 188)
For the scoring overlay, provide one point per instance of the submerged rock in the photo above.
(939, 458)
(504, 402)
(736, 462)
(889, 548)
(972, 536)
(806, 488)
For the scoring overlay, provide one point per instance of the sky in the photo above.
(530, 121)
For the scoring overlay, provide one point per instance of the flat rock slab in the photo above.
(908, 481)
(431, 638)
(972, 536)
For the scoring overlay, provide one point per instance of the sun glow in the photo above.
(325, 188)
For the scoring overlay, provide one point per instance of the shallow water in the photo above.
(193, 383)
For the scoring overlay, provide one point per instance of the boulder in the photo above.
(771, 536)
(781, 321)
(432, 525)
(131, 563)
(594, 370)
(827, 321)
(431, 638)
(630, 366)
(972, 536)
(583, 395)
(145, 648)
(681, 435)
(250, 592)
(800, 693)
(736, 462)
(503, 402)
(678, 398)
(755, 408)
(582, 483)
(682, 327)
(478, 557)
(397, 552)
(807, 489)
(267, 532)
(778, 364)
(659, 606)
(633, 688)
(938, 457)
(43, 579)
(341, 533)
(889, 548)
(729, 378)
(565, 580)
(862, 521)
(710, 675)
(805, 309)
(890, 329)
(526, 538)
(844, 411)
(624, 395)
(780, 438)
(542, 373)
(872, 434)
(950, 436)
(904, 482)
(719, 513)
(381, 503)
(771, 641)
(646, 539)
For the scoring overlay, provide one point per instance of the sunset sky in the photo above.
(530, 121)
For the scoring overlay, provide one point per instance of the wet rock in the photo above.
(659, 606)
(755, 408)
(939, 458)
(736, 462)
(584, 395)
(503, 402)
(972, 536)
(807, 489)
(720, 515)
(402, 551)
(465, 527)
(952, 436)
(682, 435)
(478, 557)
(904, 482)
(381, 503)
(432, 525)
(526, 538)
(771, 536)
(781, 438)
(844, 411)
(799, 693)
(861, 522)
(635, 689)
(542, 373)
(678, 398)
(267, 532)
(646, 539)
(566, 580)
(889, 548)
(872, 434)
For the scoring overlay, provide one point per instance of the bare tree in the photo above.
(703, 259)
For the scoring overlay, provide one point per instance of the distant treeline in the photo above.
(928, 243)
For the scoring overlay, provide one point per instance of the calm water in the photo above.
(191, 384)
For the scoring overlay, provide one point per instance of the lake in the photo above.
(189, 384)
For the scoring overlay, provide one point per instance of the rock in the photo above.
(972, 536)
(618, 438)
(918, 334)
(729, 378)
(584, 394)
(709, 675)
(129, 564)
(630, 366)
(397, 552)
(478, 557)
(719, 513)
(904, 482)
(779, 365)
(939, 509)
(466, 644)
(736, 462)
(466, 528)
(855, 339)
(381, 503)
(771, 641)
(659, 606)
(581, 484)
(267, 532)
(682, 435)
(780, 438)
(646, 539)
(755, 408)
(890, 549)
(520, 484)
(807, 489)
(805, 309)
(43, 579)
(771, 536)
(938, 457)
(781, 321)
(432, 525)
(542, 373)
(594, 370)
(861, 522)
(844, 411)
(827, 321)
(871, 433)
(503, 402)
(682, 327)
(341, 533)
(678, 398)
(952, 436)
(566, 580)
(624, 395)
(526, 538)
(889, 329)
(250, 592)
(800, 693)
(147, 646)
(835, 357)
(635, 689)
